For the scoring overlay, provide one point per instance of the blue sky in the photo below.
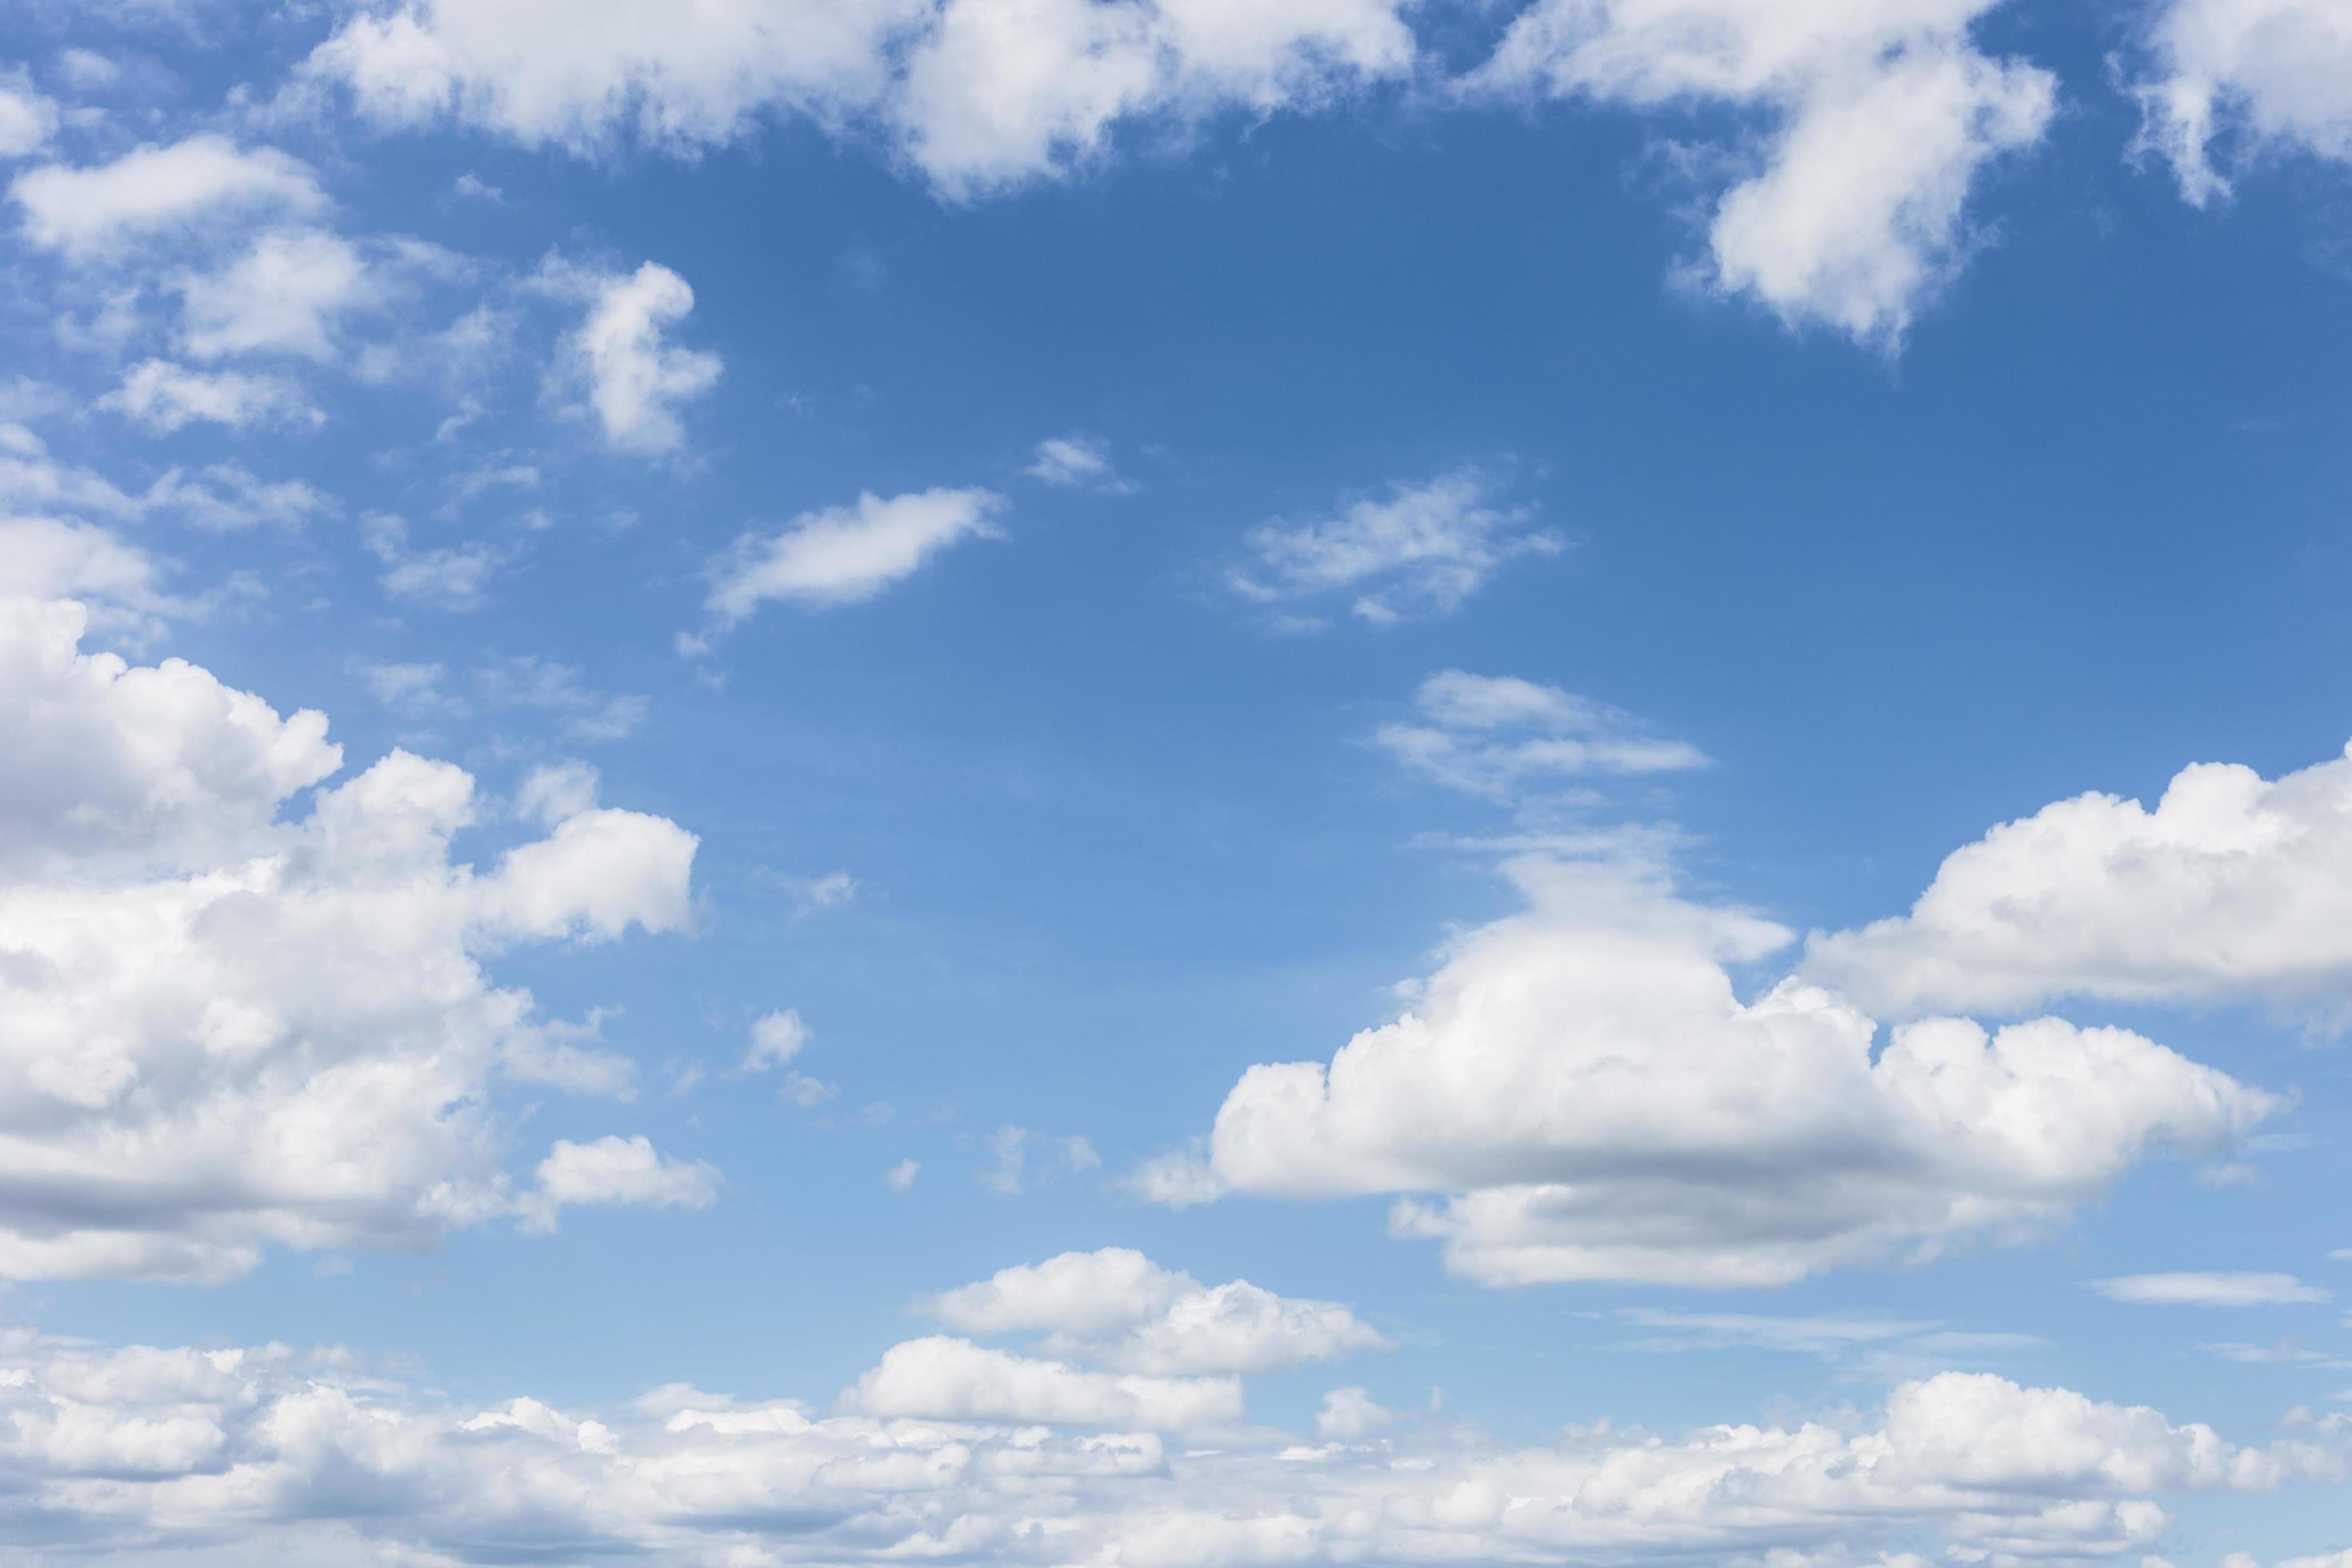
(1155, 782)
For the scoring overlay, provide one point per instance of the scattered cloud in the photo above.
(843, 556)
(1498, 735)
(1117, 1308)
(446, 577)
(165, 397)
(1422, 550)
(1079, 462)
(2210, 1289)
(206, 180)
(634, 382)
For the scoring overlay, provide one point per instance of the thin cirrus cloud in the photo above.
(1421, 550)
(1585, 1096)
(2244, 1290)
(1498, 736)
(2234, 888)
(260, 1028)
(845, 554)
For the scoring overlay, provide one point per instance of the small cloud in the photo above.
(1423, 550)
(1079, 462)
(900, 1177)
(2210, 1289)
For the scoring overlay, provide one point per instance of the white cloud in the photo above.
(615, 1171)
(847, 554)
(229, 1025)
(581, 75)
(2234, 886)
(27, 120)
(1079, 462)
(1083, 1293)
(994, 95)
(1584, 1086)
(776, 1040)
(954, 1379)
(1886, 117)
(2211, 1290)
(1495, 735)
(269, 1453)
(152, 190)
(976, 97)
(1117, 1308)
(165, 397)
(446, 577)
(1421, 551)
(900, 1177)
(286, 294)
(120, 585)
(2271, 76)
(1350, 1415)
(634, 382)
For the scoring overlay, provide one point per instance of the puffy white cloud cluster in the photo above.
(1424, 550)
(2273, 75)
(1882, 115)
(226, 1023)
(1118, 1307)
(267, 1452)
(2234, 888)
(1586, 1091)
(976, 94)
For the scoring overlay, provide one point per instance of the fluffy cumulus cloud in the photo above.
(1880, 120)
(634, 382)
(1498, 736)
(160, 190)
(995, 94)
(2266, 76)
(1421, 550)
(976, 94)
(2235, 886)
(844, 555)
(1117, 1306)
(227, 1020)
(308, 1455)
(1588, 1097)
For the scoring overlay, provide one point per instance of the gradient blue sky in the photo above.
(1446, 519)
